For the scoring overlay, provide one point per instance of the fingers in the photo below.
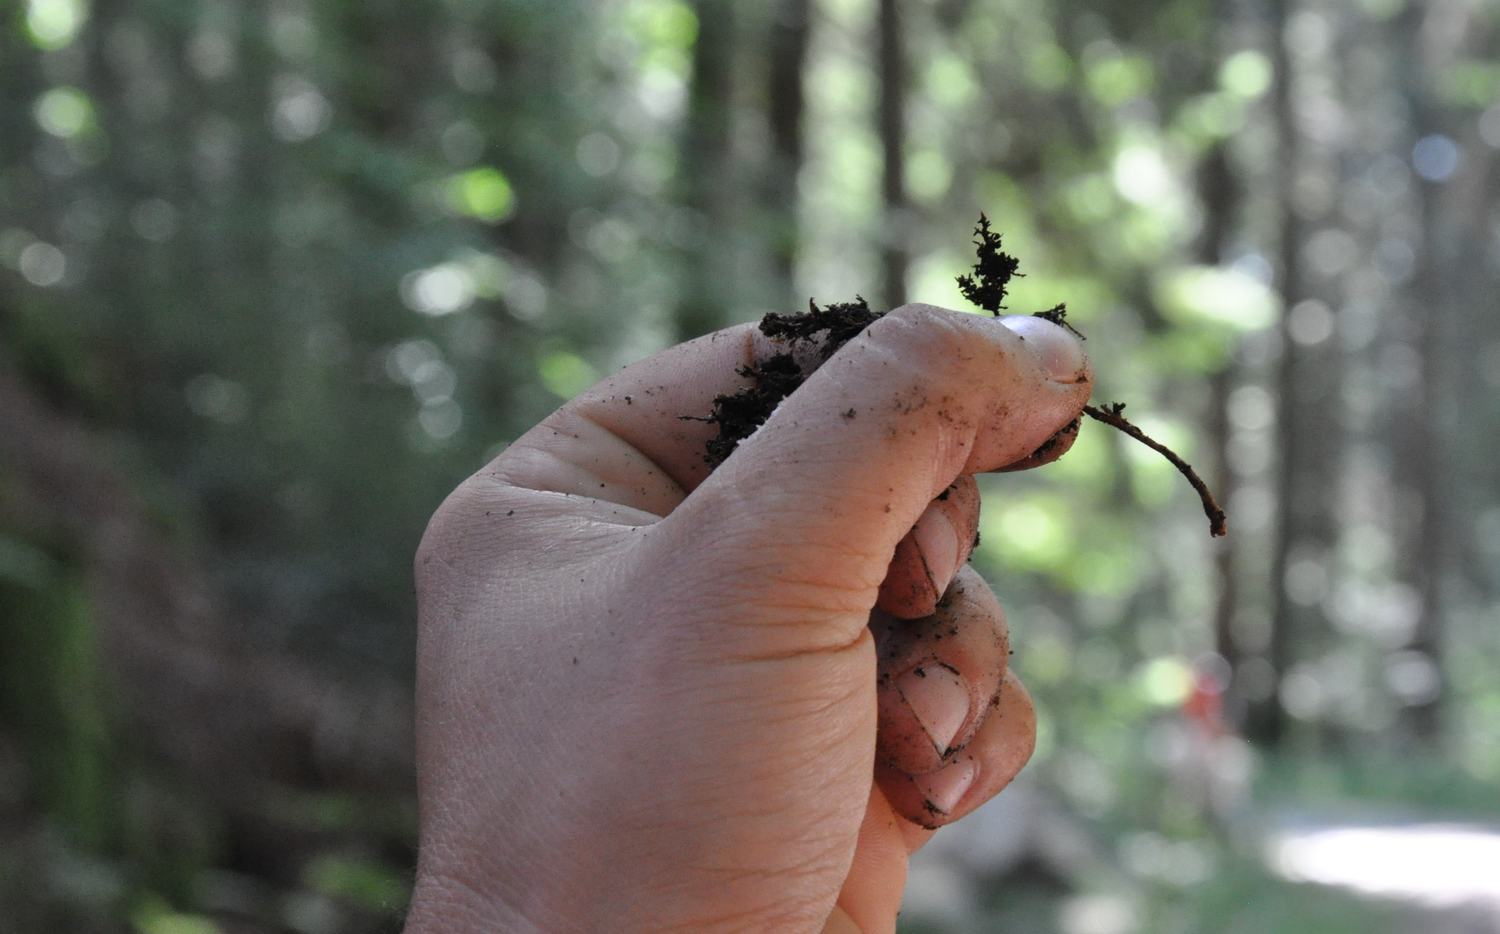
(955, 725)
(994, 756)
(811, 507)
(938, 676)
(839, 922)
(871, 894)
(929, 557)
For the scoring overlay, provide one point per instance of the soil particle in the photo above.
(1058, 315)
(1050, 445)
(738, 415)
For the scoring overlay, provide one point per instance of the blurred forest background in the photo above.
(275, 276)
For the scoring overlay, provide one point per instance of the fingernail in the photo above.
(939, 698)
(944, 788)
(1059, 352)
(938, 542)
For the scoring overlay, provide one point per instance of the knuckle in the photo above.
(449, 524)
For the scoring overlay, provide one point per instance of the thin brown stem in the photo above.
(1110, 415)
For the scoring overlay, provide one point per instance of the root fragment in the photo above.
(1110, 415)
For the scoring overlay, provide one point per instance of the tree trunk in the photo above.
(1450, 255)
(1299, 424)
(1218, 190)
(709, 165)
(790, 30)
(895, 229)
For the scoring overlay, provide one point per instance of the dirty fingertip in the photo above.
(940, 547)
(1059, 352)
(944, 789)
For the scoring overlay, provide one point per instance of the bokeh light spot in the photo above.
(1166, 682)
(566, 374)
(1246, 74)
(53, 24)
(63, 112)
(43, 264)
(441, 290)
(483, 194)
(1436, 157)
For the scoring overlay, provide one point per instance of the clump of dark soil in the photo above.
(738, 415)
(842, 322)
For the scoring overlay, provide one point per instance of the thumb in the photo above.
(802, 521)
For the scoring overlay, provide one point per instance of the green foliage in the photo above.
(309, 266)
(364, 883)
(52, 689)
(154, 916)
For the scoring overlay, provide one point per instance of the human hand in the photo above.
(648, 696)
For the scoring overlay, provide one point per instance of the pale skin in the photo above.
(657, 698)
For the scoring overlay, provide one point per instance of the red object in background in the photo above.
(1205, 705)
